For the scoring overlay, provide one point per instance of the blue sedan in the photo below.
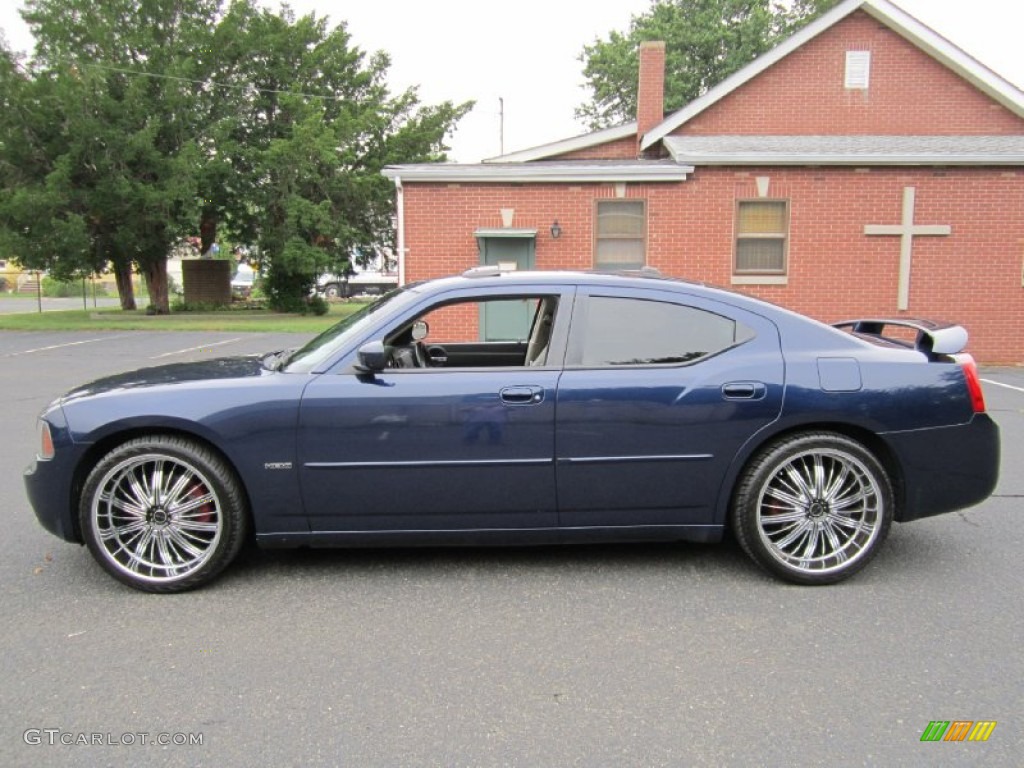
(527, 408)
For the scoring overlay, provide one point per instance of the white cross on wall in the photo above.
(906, 230)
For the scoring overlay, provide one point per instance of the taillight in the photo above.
(970, 369)
(46, 450)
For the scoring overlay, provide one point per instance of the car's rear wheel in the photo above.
(813, 508)
(163, 514)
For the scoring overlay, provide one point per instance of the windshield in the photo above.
(327, 344)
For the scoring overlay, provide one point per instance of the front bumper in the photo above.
(48, 482)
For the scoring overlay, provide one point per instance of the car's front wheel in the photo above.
(163, 514)
(813, 508)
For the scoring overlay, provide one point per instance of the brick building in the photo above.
(866, 167)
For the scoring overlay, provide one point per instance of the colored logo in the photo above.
(958, 730)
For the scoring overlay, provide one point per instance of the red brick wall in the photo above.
(909, 93)
(972, 276)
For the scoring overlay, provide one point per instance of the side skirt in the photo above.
(490, 538)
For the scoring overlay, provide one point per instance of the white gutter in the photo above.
(531, 173)
(400, 216)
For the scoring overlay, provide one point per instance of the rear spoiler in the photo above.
(932, 338)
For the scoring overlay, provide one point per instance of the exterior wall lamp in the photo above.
(556, 230)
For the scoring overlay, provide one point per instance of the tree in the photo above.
(121, 165)
(37, 219)
(139, 123)
(316, 128)
(705, 42)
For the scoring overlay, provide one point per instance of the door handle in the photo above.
(744, 390)
(522, 395)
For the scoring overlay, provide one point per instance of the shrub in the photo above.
(57, 289)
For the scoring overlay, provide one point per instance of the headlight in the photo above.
(45, 451)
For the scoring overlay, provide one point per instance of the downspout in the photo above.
(400, 215)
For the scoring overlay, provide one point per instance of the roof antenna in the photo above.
(501, 125)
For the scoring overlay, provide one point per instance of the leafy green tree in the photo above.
(38, 221)
(705, 42)
(122, 167)
(316, 129)
(139, 123)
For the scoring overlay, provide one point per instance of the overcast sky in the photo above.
(526, 52)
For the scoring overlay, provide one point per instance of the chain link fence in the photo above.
(28, 290)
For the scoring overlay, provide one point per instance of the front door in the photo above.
(454, 443)
(506, 321)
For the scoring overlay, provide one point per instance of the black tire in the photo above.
(163, 514)
(813, 508)
(333, 291)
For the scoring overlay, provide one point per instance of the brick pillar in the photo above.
(650, 101)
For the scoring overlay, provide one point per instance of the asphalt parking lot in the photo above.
(606, 656)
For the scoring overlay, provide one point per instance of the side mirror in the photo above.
(373, 357)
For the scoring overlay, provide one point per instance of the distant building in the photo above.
(864, 167)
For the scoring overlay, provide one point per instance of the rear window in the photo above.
(623, 332)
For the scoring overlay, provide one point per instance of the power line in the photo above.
(193, 81)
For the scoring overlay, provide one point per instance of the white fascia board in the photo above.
(555, 148)
(770, 159)
(749, 72)
(941, 49)
(530, 174)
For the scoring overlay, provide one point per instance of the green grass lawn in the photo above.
(256, 320)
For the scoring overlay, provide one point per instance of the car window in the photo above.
(628, 331)
(499, 331)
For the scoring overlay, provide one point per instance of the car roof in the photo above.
(490, 275)
(646, 277)
(638, 279)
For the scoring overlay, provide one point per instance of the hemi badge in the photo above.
(278, 465)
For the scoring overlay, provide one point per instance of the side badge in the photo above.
(278, 465)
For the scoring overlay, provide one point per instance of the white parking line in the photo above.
(1000, 384)
(197, 349)
(59, 346)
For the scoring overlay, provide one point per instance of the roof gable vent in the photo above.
(858, 70)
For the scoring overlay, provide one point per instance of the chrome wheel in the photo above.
(813, 508)
(819, 511)
(157, 518)
(162, 514)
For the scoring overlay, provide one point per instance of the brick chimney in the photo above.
(650, 99)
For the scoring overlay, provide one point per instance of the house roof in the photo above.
(543, 172)
(905, 25)
(846, 150)
(562, 146)
(896, 19)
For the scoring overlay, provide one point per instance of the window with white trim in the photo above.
(762, 232)
(620, 239)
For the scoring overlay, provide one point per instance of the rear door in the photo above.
(659, 392)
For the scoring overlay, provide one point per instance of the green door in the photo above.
(510, 250)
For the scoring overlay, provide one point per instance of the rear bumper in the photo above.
(946, 469)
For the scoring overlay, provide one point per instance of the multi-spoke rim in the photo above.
(820, 511)
(157, 517)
